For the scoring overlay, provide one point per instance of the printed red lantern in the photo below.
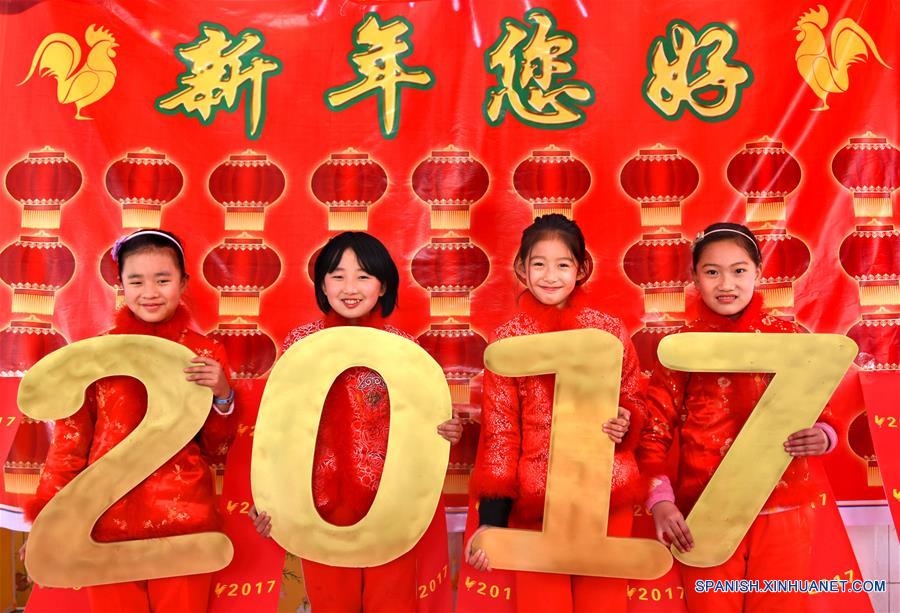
(109, 272)
(860, 441)
(660, 264)
(142, 182)
(659, 178)
(245, 184)
(251, 352)
(26, 456)
(24, 342)
(551, 180)
(785, 259)
(348, 184)
(646, 340)
(765, 174)
(878, 337)
(450, 181)
(450, 267)
(241, 268)
(36, 267)
(42, 183)
(869, 167)
(460, 352)
(871, 255)
(462, 456)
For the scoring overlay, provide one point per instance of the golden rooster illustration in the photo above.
(824, 70)
(59, 56)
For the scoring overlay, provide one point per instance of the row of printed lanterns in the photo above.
(451, 181)
(451, 267)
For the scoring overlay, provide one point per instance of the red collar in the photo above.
(374, 319)
(172, 329)
(750, 315)
(551, 318)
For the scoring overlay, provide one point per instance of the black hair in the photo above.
(558, 226)
(150, 242)
(373, 257)
(725, 231)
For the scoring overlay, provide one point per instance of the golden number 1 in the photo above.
(61, 552)
(588, 365)
(285, 440)
(808, 368)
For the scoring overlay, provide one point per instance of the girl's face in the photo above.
(551, 272)
(153, 284)
(725, 277)
(351, 291)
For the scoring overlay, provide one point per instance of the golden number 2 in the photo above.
(588, 365)
(61, 552)
(284, 444)
(808, 368)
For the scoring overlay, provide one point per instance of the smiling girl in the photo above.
(356, 284)
(510, 474)
(179, 497)
(708, 410)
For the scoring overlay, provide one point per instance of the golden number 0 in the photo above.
(285, 440)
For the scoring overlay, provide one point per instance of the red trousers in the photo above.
(188, 594)
(389, 588)
(777, 546)
(573, 593)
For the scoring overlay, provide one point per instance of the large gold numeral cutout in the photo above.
(61, 552)
(588, 367)
(285, 440)
(808, 368)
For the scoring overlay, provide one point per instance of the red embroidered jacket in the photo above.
(514, 447)
(179, 497)
(709, 410)
(352, 442)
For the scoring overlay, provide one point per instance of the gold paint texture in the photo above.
(808, 368)
(61, 552)
(587, 365)
(285, 439)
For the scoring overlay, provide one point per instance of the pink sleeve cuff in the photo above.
(830, 433)
(660, 490)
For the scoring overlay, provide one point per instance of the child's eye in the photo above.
(564, 265)
(163, 281)
(337, 277)
(711, 273)
(740, 271)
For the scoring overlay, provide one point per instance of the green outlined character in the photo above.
(222, 70)
(532, 61)
(379, 48)
(695, 71)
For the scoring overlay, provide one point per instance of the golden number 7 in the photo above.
(808, 368)
(61, 552)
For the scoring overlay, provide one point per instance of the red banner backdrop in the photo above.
(255, 130)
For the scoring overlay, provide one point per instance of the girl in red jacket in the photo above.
(356, 284)
(709, 410)
(179, 497)
(510, 474)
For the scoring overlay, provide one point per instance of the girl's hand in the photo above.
(670, 526)
(208, 373)
(617, 428)
(477, 558)
(451, 430)
(261, 521)
(811, 441)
